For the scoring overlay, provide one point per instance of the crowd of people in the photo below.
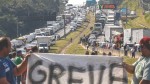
(13, 66)
(141, 68)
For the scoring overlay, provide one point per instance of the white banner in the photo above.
(75, 69)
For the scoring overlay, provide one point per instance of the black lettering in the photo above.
(91, 74)
(70, 77)
(41, 72)
(102, 68)
(53, 68)
(112, 78)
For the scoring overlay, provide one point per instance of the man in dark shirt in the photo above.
(8, 70)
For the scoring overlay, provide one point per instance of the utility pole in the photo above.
(64, 26)
(64, 20)
(17, 28)
(126, 11)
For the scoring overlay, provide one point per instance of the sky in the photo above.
(77, 2)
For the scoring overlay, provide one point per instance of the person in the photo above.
(17, 61)
(141, 68)
(87, 52)
(34, 49)
(93, 53)
(71, 40)
(126, 48)
(133, 52)
(104, 53)
(8, 70)
(18, 58)
(96, 52)
(87, 46)
(109, 54)
(13, 57)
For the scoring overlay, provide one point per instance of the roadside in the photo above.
(138, 22)
(75, 47)
(64, 42)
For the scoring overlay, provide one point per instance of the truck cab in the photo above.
(43, 47)
(98, 28)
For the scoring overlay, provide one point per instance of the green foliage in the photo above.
(13, 12)
(147, 17)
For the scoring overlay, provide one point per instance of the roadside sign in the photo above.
(107, 6)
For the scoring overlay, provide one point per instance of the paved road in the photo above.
(61, 32)
(33, 43)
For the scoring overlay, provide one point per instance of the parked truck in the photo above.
(98, 28)
(109, 32)
(44, 43)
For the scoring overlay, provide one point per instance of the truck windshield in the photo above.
(110, 17)
(97, 25)
(43, 45)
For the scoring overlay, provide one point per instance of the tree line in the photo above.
(25, 15)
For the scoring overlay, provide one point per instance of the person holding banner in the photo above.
(8, 70)
(141, 68)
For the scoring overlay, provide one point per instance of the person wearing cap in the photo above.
(141, 68)
(19, 57)
(8, 70)
(17, 61)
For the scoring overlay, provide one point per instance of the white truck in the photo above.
(37, 31)
(110, 32)
(48, 31)
(44, 43)
(52, 28)
(98, 28)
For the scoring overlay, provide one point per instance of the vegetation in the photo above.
(64, 42)
(141, 21)
(147, 17)
(25, 14)
(75, 47)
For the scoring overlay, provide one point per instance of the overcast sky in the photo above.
(77, 2)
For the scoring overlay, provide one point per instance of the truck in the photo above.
(109, 32)
(101, 20)
(48, 31)
(52, 28)
(98, 28)
(43, 43)
(97, 15)
(37, 31)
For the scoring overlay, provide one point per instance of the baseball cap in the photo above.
(19, 52)
(146, 42)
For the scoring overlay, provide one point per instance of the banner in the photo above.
(75, 69)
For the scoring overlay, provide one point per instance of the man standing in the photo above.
(18, 60)
(141, 68)
(8, 70)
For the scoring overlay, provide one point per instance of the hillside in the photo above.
(142, 20)
(25, 14)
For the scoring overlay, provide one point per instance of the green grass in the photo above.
(76, 48)
(147, 17)
(61, 44)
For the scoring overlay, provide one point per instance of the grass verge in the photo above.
(76, 48)
(62, 43)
